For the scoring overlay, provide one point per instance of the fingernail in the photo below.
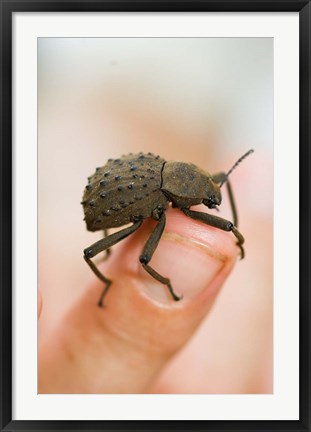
(190, 265)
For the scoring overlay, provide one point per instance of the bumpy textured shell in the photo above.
(123, 190)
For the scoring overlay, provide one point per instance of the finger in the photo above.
(121, 348)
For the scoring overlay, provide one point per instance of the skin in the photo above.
(129, 342)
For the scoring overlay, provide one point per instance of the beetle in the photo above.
(135, 187)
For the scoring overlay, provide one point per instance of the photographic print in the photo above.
(145, 198)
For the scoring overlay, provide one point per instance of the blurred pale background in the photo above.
(204, 101)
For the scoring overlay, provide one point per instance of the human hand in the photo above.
(122, 347)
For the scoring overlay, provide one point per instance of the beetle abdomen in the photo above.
(122, 190)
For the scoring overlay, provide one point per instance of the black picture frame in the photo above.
(7, 8)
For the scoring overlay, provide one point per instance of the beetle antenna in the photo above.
(235, 165)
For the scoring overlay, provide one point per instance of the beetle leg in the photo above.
(220, 177)
(108, 251)
(103, 245)
(148, 251)
(217, 222)
(103, 278)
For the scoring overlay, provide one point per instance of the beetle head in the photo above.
(213, 195)
(186, 185)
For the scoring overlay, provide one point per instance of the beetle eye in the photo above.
(210, 202)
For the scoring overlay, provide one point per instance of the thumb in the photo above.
(121, 348)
